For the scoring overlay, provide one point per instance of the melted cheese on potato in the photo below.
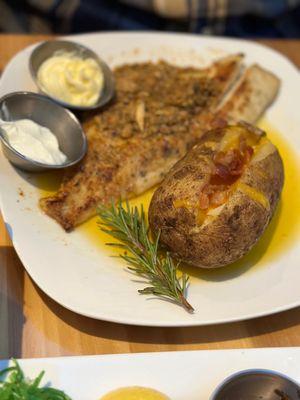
(231, 139)
(263, 149)
(254, 194)
(261, 146)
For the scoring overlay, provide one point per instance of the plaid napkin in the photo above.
(241, 18)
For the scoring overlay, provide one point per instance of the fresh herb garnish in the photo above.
(16, 387)
(128, 225)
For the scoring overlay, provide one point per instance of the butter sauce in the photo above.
(68, 77)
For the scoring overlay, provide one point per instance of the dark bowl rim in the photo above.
(37, 163)
(103, 65)
(250, 371)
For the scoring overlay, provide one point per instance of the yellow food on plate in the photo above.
(135, 393)
(70, 78)
(216, 202)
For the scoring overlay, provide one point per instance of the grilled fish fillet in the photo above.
(250, 96)
(160, 111)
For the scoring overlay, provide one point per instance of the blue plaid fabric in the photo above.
(240, 18)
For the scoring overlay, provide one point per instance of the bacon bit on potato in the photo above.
(218, 198)
(204, 201)
(248, 154)
(228, 167)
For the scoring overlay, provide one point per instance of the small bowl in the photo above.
(257, 384)
(46, 50)
(42, 110)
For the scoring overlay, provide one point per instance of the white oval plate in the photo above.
(181, 375)
(83, 278)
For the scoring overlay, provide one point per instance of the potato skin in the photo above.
(241, 221)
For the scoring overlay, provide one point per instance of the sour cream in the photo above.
(72, 79)
(33, 141)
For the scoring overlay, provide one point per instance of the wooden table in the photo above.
(33, 325)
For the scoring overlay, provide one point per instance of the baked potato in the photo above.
(216, 202)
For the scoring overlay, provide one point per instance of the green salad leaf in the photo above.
(15, 386)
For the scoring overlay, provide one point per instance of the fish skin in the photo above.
(123, 166)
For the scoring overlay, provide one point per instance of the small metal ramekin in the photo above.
(46, 50)
(44, 111)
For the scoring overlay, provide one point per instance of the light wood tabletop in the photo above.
(33, 325)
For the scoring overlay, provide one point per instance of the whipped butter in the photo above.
(68, 77)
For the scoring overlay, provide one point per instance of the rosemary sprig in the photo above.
(128, 225)
(16, 387)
